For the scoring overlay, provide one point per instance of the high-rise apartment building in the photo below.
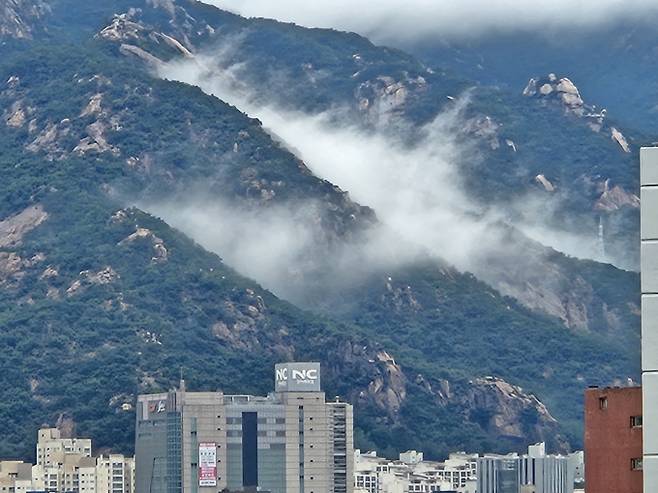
(51, 446)
(115, 474)
(291, 441)
(649, 276)
(15, 477)
(613, 440)
(66, 465)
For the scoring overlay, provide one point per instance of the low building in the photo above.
(411, 473)
(291, 441)
(534, 472)
(613, 440)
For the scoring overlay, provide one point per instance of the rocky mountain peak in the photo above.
(563, 91)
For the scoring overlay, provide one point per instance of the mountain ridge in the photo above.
(124, 140)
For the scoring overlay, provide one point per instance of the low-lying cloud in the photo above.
(415, 190)
(391, 20)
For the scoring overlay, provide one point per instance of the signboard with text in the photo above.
(207, 464)
(297, 377)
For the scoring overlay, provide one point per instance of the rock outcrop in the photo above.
(87, 278)
(160, 253)
(384, 98)
(506, 411)
(564, 92)
(615, 197)
(14, 228)
(20, 18)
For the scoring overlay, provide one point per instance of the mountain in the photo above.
(612, 62)
(101, 300)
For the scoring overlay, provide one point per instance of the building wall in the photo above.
(151, 443)
(268, 451)
(307, 430)
(287, 442)
(203, 421)
(649, 261)
(611, 442)
(51, 444)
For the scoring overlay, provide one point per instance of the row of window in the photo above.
(635, 421)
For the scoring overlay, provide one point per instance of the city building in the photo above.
(291, 441)
(51, 446)
(65, 465)
(613, 440)
(411, 473)
(499, 474)
(649, 283)
(115, 474)
(15, 477)
(534, 472)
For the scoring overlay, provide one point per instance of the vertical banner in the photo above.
(207, 464)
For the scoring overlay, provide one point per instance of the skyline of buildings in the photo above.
(291, 441)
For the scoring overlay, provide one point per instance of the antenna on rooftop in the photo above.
(181, 384)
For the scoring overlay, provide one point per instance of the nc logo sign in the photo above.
(303, 376)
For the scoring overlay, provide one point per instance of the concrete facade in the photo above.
(115, 474)
(613, 440)
(649, 266)
(67, 465)
(291, 441)
(15, 477)
(534, 472)
(412, 473)
(51, 445)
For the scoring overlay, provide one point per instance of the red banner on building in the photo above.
(207, 464)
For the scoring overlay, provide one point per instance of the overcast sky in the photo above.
(414, 19)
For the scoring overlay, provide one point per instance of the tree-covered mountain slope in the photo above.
(100, 301)
(612, 62)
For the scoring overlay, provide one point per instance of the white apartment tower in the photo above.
(66, 465)
(649, 270)
(51, 445)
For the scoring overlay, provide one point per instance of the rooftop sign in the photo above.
(297, 377)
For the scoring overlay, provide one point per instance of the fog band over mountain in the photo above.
(415, 191)
(389, 20)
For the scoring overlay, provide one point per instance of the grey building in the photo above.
(534, 472)
(649, 282)
(291, 441)
(498, 474)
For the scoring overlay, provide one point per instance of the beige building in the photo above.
(115, 474)
(291, 441)
(66, 465)
(15, 477)
(50, 445)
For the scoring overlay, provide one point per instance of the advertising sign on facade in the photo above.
(207, 464)
(297, 377)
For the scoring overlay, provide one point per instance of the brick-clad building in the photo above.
(613, 440)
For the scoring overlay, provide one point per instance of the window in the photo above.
(636, 421)
(603, 403)
(636, 464)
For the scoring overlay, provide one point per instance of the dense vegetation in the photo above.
(84, 351)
